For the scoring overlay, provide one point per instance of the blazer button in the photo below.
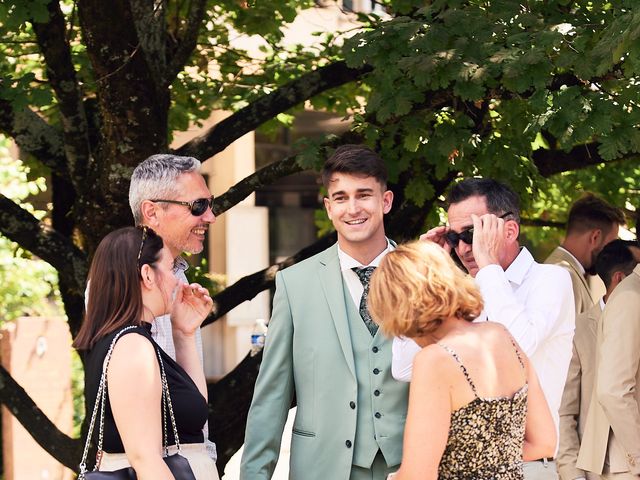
(376, 393)
(376, 371)
(375, 349)
(377, 414)
(348, 443)
(352, 405)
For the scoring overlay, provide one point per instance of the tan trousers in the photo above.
(204, 468)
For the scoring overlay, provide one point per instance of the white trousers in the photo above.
(539, 470)
(204, 468)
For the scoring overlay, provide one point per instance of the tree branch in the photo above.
(538, 222)
(550, 162)
(63, 448)
(149, 20)
(56, 50)
(187, 40)
(229, 402)
(269, 174)
(218, 137)
(23, 228)
(34, 136)
(245, 187)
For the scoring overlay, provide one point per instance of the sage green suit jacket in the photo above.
(308, 352)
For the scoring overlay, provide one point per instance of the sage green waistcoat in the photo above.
(372, 358)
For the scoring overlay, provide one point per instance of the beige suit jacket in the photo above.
(581, 292)
(612, 431)
(577, 394)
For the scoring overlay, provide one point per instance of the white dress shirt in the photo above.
(535, 302)
(347, 263)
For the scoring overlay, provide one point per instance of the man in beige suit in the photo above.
(611, 440)
(616, 261)
(591, 225)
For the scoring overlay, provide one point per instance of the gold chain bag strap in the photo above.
(178, 465)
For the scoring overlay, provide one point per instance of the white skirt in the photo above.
(203, 466)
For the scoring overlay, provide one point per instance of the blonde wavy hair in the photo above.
(416, 287)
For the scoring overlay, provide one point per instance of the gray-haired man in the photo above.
(168, 194)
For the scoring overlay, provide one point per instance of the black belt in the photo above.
(545, 459)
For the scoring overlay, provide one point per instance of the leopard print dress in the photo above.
(486, 436)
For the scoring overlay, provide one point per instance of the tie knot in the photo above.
(364, 274)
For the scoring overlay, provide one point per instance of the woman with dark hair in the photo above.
(132, 283)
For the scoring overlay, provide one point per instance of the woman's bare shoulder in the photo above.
(435, 359)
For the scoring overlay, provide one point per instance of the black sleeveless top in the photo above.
(189, 406)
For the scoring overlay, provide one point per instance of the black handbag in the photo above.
(178, 465)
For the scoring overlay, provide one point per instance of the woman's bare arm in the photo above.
(135, 394)
(428, 417)
(540, 438)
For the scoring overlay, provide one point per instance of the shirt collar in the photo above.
(520, 266)
(576, 261)
(347, 262)
(601, 302)
(180, 265)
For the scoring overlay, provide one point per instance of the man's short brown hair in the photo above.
(590, 212)
(357, 160)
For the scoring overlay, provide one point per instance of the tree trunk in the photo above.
(133, 108)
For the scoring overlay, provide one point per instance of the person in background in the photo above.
(615, 262)
(169, 194)
(611, 441)
(592, 224)
(476, 408)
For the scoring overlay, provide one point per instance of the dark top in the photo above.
(189, 406)
(485, 436)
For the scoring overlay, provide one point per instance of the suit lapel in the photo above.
(572, 263)
(332, 285)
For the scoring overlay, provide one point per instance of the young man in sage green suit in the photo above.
(323, 347)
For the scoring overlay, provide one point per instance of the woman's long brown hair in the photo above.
(115, 295)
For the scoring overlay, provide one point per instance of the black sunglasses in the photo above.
(466, 236)
(197, 207)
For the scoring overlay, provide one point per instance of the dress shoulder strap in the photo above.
(515, 347)
(452, 352)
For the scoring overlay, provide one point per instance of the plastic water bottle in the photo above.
(257, 336)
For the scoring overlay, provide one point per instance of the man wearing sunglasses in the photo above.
(168, 194)
(532, 300)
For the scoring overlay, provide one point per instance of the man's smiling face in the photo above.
(356, 206)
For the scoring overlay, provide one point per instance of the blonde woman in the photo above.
(475, 405)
